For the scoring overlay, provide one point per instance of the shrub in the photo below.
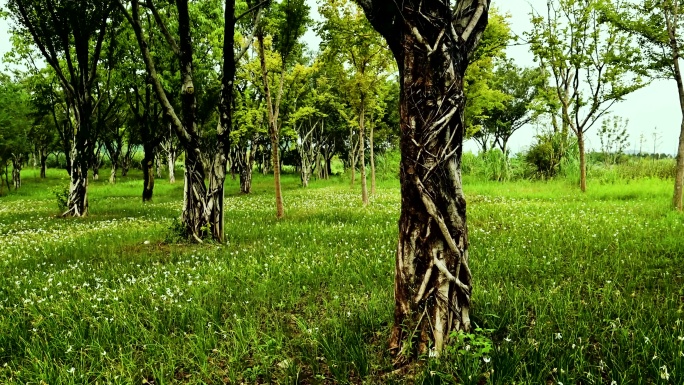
(547, 153)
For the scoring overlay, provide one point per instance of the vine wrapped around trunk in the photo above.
(432, 42)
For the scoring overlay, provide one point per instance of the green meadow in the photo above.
(569, 288)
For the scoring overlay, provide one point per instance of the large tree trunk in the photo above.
(433, 280)
(148, 172)
(194, 193)
(216, 195)
(77, 203)
(583, 161)
(362, 154)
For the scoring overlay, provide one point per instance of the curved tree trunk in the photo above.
(432, 278)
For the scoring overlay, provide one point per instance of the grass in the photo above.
(569, 288)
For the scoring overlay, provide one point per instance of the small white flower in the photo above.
(486, 359)
(559, 336)
(681, 338)
(613, 382)
(71, 348)
(72, 370)
(507, 339)
(104, 353)
(663, 373)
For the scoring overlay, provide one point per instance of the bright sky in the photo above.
(653, 107)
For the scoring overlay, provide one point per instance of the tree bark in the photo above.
(432, 278)
(583, 161)
(362, 153)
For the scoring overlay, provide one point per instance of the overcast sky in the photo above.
(653, 107)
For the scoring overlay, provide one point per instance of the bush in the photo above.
(61, 195)
(547, 154)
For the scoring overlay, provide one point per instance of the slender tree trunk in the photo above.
(96, 169)
(273, 110)
(328, 167)
(679, 176)
(372, 159)
(147, 165)
(280, 210)
(171, 158)
(362, 154)
(159, 165)
(304, 172)
(43, 164)
(583, 161)
(112, 175)
(16, 172)
(246, 180)
(352, 156)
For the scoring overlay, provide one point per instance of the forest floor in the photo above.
(569, 288)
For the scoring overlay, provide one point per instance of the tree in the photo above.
(348, 37)
(521, 87)
(590, 62)
(657, 25)
(15, 125)
(288, 27)
(70, 36)
(480, 83)
(432, 43)
(203, 205)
